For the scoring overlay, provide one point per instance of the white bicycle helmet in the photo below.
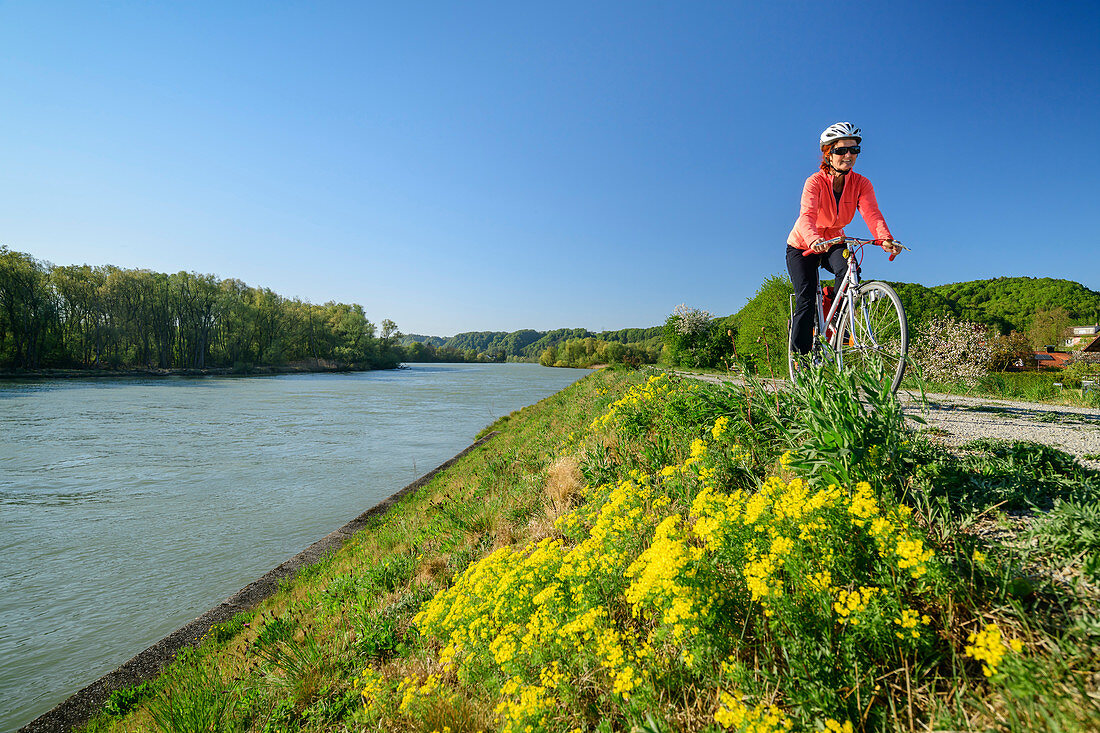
(840, 131)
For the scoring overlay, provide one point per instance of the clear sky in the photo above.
(462, 166)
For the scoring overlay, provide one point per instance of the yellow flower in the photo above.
(371, 686)
(732, 713)
(849, 603)
(908, 621)
(989, 647)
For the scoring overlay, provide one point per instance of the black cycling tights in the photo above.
(803, 272)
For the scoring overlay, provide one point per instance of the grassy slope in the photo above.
(657, 617)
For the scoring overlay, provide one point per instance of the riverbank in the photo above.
(643, 551)
(442, 526)
(85, 704)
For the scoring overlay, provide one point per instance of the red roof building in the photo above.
(1051, 359)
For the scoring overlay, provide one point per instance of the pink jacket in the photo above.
(819, 217)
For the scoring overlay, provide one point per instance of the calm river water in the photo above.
(130, 506)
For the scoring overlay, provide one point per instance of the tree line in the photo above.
(80, 316)
(531, 345)
(590, 351)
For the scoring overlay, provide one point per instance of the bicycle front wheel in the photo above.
(875, 333)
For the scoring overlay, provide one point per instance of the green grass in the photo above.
(1019, 386)
(1009, 475)
(594, 567)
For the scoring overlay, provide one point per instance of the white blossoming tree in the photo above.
(952, 351)
(686, 332)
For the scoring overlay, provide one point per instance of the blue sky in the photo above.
(494, 166)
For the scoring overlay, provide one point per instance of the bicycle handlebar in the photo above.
(857, 241)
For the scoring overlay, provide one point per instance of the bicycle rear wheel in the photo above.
(876, 333)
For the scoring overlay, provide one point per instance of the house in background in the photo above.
(1050, 359)
(1089, 351)
(1081, 334)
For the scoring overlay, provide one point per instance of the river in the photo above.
(130, 506)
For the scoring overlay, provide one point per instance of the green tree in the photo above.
(29, 309)
(84, 318)
(761, 336)
(1048, 327)
(233, 333)
(196, 314)
(162, 317)
(1007, 350)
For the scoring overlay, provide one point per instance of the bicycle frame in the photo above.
(857, 328)
(844, 298)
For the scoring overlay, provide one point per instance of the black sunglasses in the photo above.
(853, 149)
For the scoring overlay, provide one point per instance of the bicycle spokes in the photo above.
(876, 334)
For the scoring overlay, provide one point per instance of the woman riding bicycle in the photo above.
(830, 200)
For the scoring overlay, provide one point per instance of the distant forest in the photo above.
(110, 318)
(528, 345)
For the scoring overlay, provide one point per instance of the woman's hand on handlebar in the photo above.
(891, 248)
(819, 246)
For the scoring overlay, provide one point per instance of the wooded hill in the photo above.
(1005, 303)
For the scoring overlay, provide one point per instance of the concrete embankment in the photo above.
(83, 705)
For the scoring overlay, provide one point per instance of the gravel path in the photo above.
(954, 419)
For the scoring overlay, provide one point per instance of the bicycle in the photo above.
(865, 325)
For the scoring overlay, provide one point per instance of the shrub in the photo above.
(123, 701)
(1078, 370)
